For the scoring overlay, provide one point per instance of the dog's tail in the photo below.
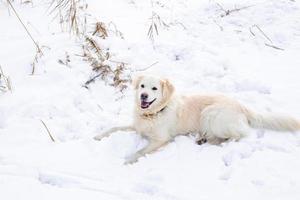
(273, 122)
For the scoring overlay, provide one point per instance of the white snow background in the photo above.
(201, 51)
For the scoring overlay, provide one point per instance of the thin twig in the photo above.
(36, 44)
(228, 12)
(33, 68)
(263, 33)
(221, 7)
(273, 46)
(91, 79)
(118, 62)
(251, 31)
(221, 27)
(48, 131)
(144, 69)
(116, 30)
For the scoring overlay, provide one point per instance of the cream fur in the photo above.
(215, 118)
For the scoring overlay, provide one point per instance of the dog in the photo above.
(160, 115)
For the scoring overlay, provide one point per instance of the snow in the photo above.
(200, 51)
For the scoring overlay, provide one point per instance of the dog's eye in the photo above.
(154, 88)
(142, 86)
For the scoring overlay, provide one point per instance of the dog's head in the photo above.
(152, 94)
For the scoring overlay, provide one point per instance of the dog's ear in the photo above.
(136, 82)
(167, 89)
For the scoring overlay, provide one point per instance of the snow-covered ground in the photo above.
(201, 50)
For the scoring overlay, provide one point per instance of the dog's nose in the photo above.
(144, 96)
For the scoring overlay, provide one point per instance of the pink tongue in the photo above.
(144, 104)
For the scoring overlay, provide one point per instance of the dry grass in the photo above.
(230, 11)
(71, 14)
(26, 29)
(270, 42)
(37, 57)
(100, 30)
(155, 23)
(112, 72)
(5, 83)
(39, 52)
(112, 27)
(27, 2)
(66, 61)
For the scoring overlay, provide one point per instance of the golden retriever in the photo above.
(160, 115)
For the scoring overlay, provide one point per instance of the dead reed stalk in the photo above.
(27, 31)
(71, 13)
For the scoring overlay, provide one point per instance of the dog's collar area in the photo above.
(151, 115)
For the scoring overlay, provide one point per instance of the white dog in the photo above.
(160, 115)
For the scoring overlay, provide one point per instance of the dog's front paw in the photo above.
(132, 159)
(99, 137)
(129, 162)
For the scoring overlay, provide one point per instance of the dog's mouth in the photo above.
(145, 104)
